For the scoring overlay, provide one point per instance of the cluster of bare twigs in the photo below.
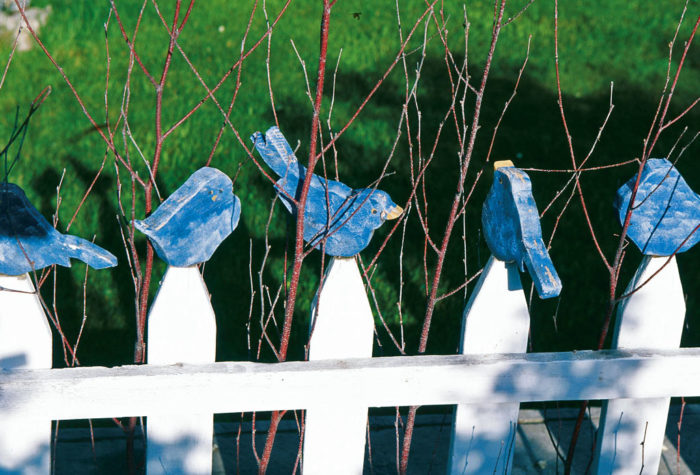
(138, 167)
(660, 123)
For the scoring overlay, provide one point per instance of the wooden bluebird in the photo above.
(666, 212)
(512, 228)
(343, 217)
(187, 228)
(28, 242)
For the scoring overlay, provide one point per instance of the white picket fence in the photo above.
(181, 387)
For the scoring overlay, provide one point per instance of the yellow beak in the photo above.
(395, 213)
(502, 163)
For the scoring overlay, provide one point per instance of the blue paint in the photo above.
(188, 227)
(512, 229)
(335, 213)
(666, 211)
(28, 241)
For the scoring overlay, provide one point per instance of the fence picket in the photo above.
(342, 327)
(25, 342)
(181, 329)
(631, 432)
(496, 320)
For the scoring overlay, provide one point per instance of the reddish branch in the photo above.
(499, 6)
(300, 213)
(659, 124)
(451, 220)
(313, 159)
(237, 64)
(143, 268)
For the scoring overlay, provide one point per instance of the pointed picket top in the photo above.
(496, 320)
(652, 316)
(342, 327)
(181, 321)
(25, 343)
(29, 243)
(181, 329)
(190, 225)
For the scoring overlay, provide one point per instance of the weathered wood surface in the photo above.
(181, 329)
(496, 320)
(632, 431)
(28, 242)
(342, 326)
(511, 225)
(190, 225)
(77, 393)
(25, 342)
(666, 211)
(337, 219)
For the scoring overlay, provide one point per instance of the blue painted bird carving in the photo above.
(511, 226)
(188, 227)
(336, 214)
(28, 242)
(666, 213)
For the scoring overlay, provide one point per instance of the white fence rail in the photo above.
(487, 382)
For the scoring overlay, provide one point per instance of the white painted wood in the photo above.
(342, 326)
(25, 342)
(181, 329)
(80, 393)
(496, 320)
(631, 432)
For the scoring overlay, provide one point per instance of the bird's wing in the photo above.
(289, 187)
(334, 187)
(333, 191)
(323, 216)
(92, 254)
(528, 218)
(535, 255)
(542, 270)
(533, 252)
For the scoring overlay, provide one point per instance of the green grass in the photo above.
(602, 42)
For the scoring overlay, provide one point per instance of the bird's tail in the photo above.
(92, 254)
(542, 270)
(276, 152)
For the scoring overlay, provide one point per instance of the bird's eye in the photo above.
(211, 192)
(500, 180)
(374, 211)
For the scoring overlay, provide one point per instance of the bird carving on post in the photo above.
(188, 227)
(511, 225)
(665, 217)
(29, 243)
(338, 219)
